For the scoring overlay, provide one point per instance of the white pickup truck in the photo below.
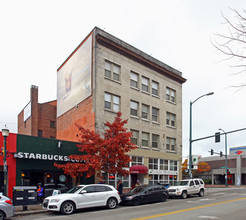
(187, 187)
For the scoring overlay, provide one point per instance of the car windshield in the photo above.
(182, 183)
(75, 189)
(138, 189)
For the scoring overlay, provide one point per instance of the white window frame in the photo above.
(113, 70)
(134, 80)
(145, 112)
(154, 115)
(143, 139)
(136, 138)
(170, 95)
(145, 84)
(155, 143)
(155, 88)
(171, 119)
(134, 106)
(170, 144)
(113, 100)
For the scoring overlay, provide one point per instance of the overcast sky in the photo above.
(37, 36)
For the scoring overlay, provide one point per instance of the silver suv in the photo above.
(187, 187)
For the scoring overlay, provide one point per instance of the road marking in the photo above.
(186, 210)
(208, 217)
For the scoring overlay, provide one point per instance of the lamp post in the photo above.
(5, 133)
(226, 176)
(190, 140)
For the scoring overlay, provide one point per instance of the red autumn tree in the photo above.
(106, 152)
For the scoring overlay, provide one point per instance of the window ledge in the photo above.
(169, 126)
(116, 81)
(145, 148)
(137, 89)
(146, 120)
(156, 96)
(174, 103)
(147, 93)
(109, 110)
(172, 152)
(135, 117)
(154, 122)
(155, 149)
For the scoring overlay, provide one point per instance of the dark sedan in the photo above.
(145, 194)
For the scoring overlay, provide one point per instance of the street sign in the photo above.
(222, 167)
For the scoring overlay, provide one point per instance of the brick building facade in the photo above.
(38, 119)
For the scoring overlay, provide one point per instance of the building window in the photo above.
(170, 144)
(145, 84)
(40, 133)
(173, 165)
(171, 119)
(170, 95)
(134, 108)
(155, 140)
(153, 164)
(145, 139)
(134, 80)
(52, 124)
(163, 164)
(111, 102)
(155, 88)
(135, 136)
(145, 111)
(137, 160)
(112, 71)
(155, 114)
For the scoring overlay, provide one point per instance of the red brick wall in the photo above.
(47, 113)
(82, 114)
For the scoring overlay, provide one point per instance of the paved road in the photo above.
(218, 203)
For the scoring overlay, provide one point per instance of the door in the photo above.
(87, 199)
(197, 186)
(192, 187)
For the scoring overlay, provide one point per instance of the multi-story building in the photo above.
(104, 75)
(38, 119)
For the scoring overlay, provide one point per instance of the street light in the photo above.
(190, 140)
(226, 176)
(5, 133)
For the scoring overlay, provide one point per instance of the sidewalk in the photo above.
(30, 209)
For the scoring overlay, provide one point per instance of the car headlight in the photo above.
(129, 197)
(54, 200)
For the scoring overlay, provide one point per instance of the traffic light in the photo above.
(221, 154)
(228, 172)
(217, 137)
(212, 151)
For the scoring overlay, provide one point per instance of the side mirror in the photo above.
(83, 191)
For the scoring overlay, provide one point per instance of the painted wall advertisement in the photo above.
(74, 78)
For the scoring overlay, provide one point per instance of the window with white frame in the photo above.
(153, 164)
(171, 119)
(155, 88)
(112, 71)
(145, 111)
(170, 95)
(154, 179)
(155, 114)
(134, 80)
(155, 140)
(137, 160)
(145, 84)
(145, 139)
(163, 164)
(170, 144)
(135, 136)
(173, 165)
(134, 108)
(111, 102)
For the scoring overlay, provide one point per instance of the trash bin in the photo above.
(24, 195)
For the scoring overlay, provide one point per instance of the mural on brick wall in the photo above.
(74, 78)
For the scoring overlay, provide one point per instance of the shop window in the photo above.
(153, 164)
(137, 160)
(163, 164)
(173, 165)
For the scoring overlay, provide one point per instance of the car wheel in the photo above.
(201, 193)
(184, 195)
(2, 215)
(67, 208)
(163, 198)
(136, 201)
(112, 203)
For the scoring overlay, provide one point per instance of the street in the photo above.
(218, 203)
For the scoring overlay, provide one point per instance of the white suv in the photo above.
(83, 196)
(187, 187)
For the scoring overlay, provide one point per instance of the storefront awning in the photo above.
(138, 169)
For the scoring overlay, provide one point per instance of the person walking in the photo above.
(138, 183)
(120, 187)
(40, 193)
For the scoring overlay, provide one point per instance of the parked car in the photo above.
(145, 194)
(187, 187)
(50, 187)
(6, 207)
(83, 196)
